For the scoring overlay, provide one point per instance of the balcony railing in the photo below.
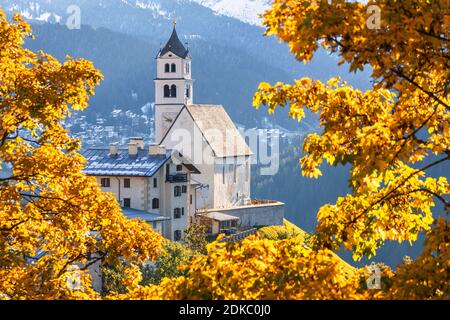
(175, 178)
(239, 236)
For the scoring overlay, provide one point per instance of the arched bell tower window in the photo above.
(173, 91)
(167, 68)
(166, 91)
(173, 68)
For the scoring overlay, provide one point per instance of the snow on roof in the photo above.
(102, 163)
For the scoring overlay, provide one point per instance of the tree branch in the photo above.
(421, 31)
(388, 195)
(415, 84)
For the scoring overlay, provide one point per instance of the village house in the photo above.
(151, 184)
(198, 170)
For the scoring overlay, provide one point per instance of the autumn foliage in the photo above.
(52, 216)
(259, 269)
(390, 135)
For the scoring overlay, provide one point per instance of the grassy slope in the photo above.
(290, 230)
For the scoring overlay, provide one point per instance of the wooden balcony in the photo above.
(177, 178)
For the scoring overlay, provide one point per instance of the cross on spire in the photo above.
(174, 21)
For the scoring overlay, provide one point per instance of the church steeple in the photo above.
(174, 45)
(173, 83)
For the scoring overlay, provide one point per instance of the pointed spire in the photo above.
(174, 44)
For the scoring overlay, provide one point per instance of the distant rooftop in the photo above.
(102, 163)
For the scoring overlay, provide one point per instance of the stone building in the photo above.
(152, 184)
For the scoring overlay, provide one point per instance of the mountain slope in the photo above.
(245, 10)
(303, 198)
(129, 66)
(151, 20)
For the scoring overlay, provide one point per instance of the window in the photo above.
(247, 172)
(155, 183)
(227, 224)
(167, 68)
(177, 191)
(173, 91)
(183, 189)
(235, 173)
(127, 202)
(105, 182)
(182, 211)
(223, 225)
(167, 169)
(179, 167)
(155, 203)
(187, 68)
(127, 183)
(166, 91)
(173, 68)
(190, 199)
(188, 92)
(177, 235)
(177, 213)
(223, 174)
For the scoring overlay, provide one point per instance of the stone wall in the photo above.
(268, 214)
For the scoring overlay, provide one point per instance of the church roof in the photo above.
(175, 46)
(218, 130)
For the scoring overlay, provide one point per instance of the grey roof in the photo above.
(219, 216)
(101, 163)
(211, 119)
(143, 215)
(175, 46)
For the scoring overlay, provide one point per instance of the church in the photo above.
(198, 169)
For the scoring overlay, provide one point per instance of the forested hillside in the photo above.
(304, 197)
(128, 65)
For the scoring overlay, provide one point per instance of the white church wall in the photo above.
(185, 137)
(231, 188)
(162, 124)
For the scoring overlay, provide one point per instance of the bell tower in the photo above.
(173, 83)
